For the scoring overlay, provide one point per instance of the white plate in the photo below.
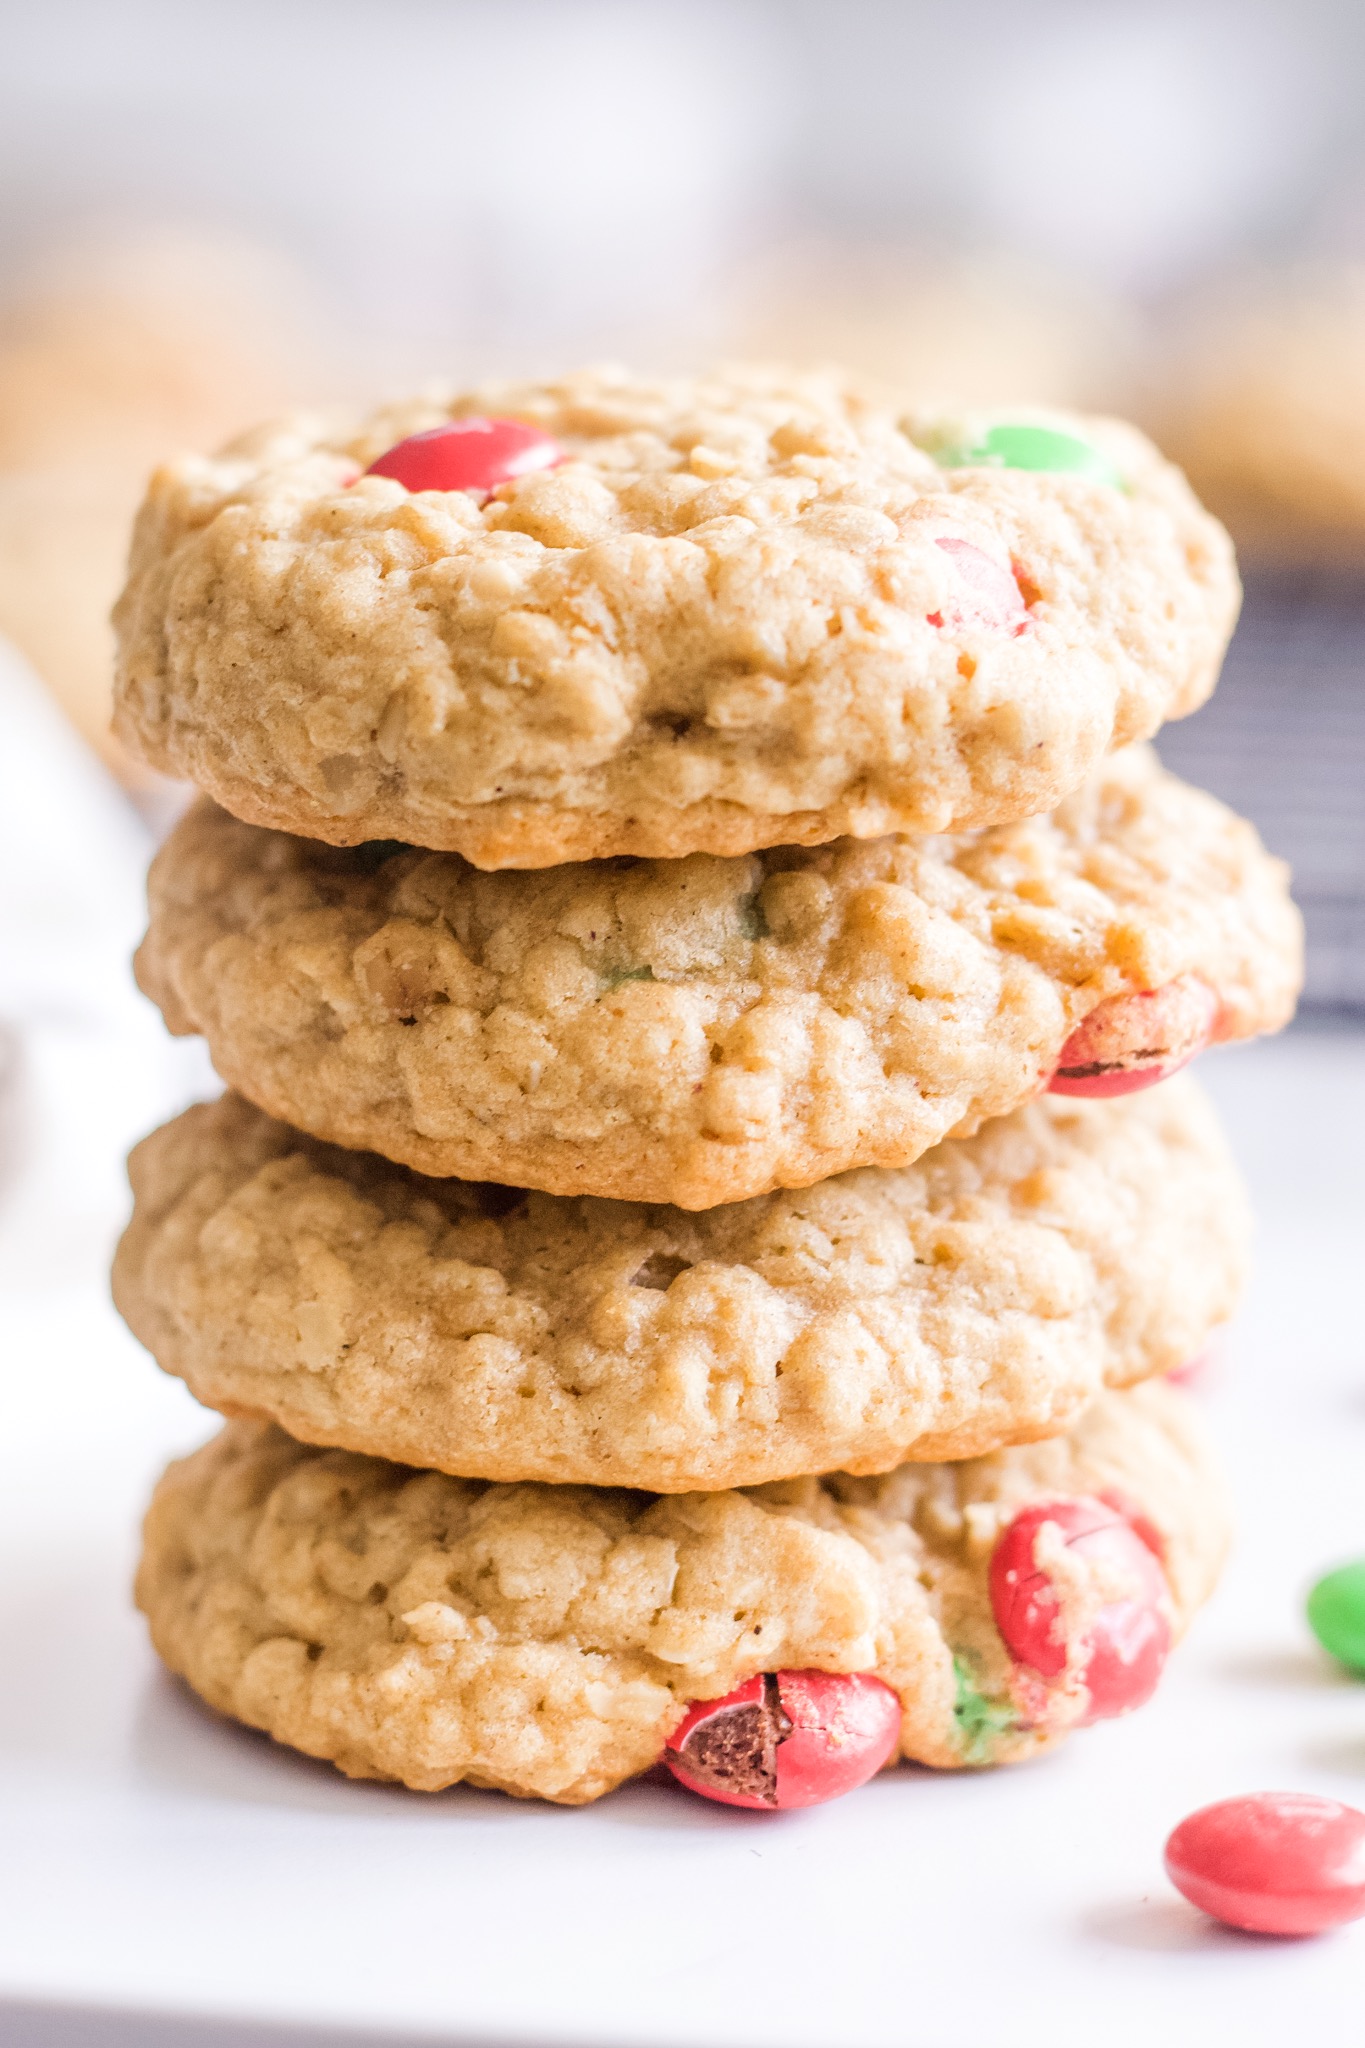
(158, 1862)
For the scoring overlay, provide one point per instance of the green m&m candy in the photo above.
(1021, 447)
(1336, 1614)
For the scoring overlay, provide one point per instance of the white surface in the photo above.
(159, 1862)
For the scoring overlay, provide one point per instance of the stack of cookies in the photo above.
(692, 1254)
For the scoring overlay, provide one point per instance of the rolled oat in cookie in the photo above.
(979, 1298)
(548, 1641)
(750, 609)
(703, 1030)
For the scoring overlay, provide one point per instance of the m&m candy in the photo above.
(1134, 1041)
(1107, 1625)
(1193, 1370)
(468, 455)
(1336, 1614)
(787, 1738)
(987, 594)
(1272, 1862)
(1026, 447)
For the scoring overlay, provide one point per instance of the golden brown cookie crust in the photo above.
(545, 1640)
(712, 629)
(977, 1299)
(701, 1031)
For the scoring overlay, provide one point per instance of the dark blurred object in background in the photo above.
(1283, 741)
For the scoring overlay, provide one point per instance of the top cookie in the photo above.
(748, 610)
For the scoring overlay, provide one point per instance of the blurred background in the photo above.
(214, 209)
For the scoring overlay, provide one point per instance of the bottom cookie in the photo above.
(553, 1641)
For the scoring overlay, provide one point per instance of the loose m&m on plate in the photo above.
(1336, 1614)
(786, 1739)
(1272, 1862)
(474, 454)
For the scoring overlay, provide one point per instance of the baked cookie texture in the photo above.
(726, 622)
(700, 1031)
(546, 1640)
(977, 1299)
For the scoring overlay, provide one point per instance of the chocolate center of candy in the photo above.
(735, 1750)
(1160, 1027)
(1140, 1056)
(369, 857)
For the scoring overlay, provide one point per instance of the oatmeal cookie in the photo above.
(979, 1298)
(546, 1640)
(755, 609)
(700, 1031)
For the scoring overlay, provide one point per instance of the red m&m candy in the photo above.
(468, 455)
(1272, 1862)
(1141, 1524)
(1193, 1370)
(1095, 1608)
(1132, 1042)
(787, 1738)
(988, 595)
